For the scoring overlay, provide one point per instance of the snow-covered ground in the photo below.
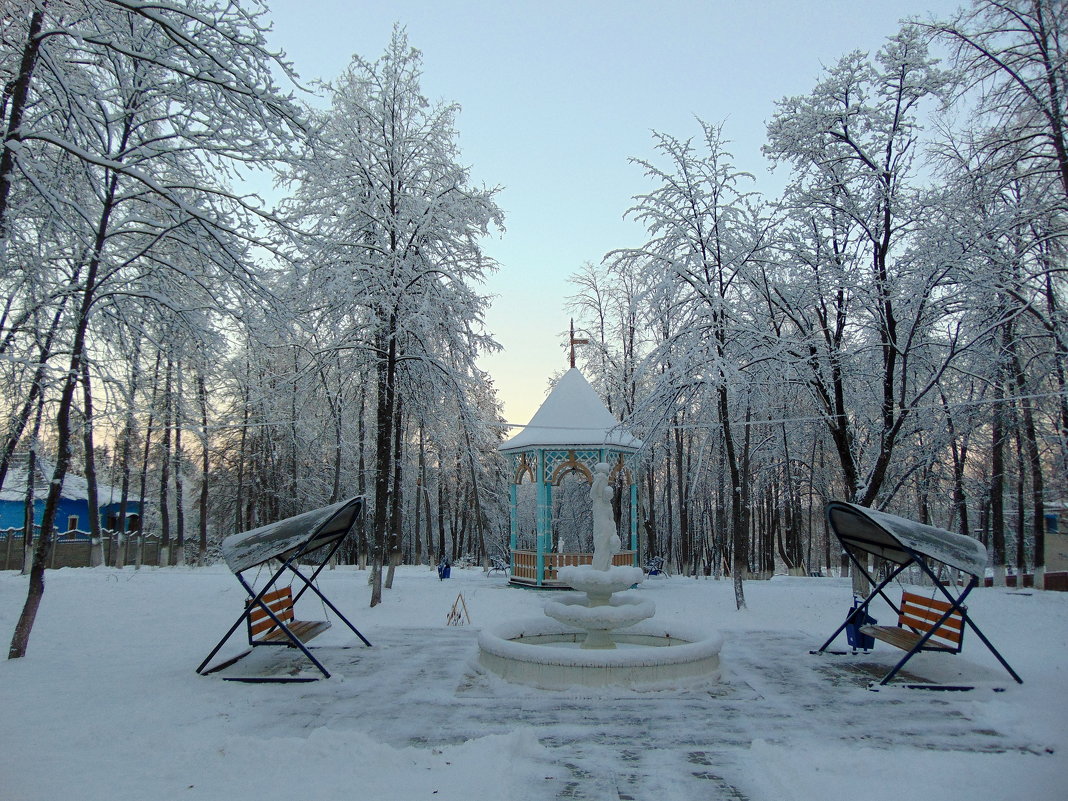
(106, 705)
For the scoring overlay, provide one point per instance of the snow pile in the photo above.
(836, 771)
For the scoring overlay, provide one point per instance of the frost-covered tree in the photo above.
(706, 237)
(1010, 164)
(858, 293)
(899, 338)
(608, 305)
(393, 255)
(124, 128)
(1012, 55)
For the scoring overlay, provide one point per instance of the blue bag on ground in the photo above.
(856, 620)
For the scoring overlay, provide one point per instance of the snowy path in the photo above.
(690, 743)
(109, 686)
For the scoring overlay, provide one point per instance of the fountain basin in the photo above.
(540, 652)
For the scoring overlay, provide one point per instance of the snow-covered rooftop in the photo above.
(75, 487)
(572, 416)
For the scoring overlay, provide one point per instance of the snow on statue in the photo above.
(605, 541)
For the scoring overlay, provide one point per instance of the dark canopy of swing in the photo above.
(899, 540)
(303, 533)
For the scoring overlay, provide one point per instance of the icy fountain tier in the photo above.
(540, 653)
(601, 612)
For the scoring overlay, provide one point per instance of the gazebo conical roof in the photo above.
(573, 416)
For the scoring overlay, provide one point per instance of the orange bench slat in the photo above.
(921, 613)
(280, 602)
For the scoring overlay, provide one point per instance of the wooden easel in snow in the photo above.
(458, 614)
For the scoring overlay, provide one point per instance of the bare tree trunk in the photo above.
(30, 510)
(479, 519)
(1034, 461)
(429, 518)
(179, 496)
(386, 383)
(361, 471)
(1059, 351)
(958, 447)
(652, 544)
(179, 463)
(239, 499)
(997, 483)
(119, 557)
(739, 522)
(205, 467)
(143, 489)
(685, 549)
(165, 469)
(441, 513)
(335, 485)
(669, 506)
(96, 539)
(395, 501)
(19, 98)
(1021, 521)
(420, 483)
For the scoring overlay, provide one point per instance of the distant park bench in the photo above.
(655, 566)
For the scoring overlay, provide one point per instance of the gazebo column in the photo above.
(634, 521)
(544, 518)
(513, 522)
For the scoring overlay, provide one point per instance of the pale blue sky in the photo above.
(556, 96)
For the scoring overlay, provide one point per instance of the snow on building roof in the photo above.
(572, 416)
(75, 488)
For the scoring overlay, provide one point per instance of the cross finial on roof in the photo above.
(575, 342)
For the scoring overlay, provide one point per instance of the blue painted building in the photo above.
(72, 517)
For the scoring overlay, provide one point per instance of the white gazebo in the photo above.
(571, 433)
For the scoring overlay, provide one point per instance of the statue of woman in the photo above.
(605, 541)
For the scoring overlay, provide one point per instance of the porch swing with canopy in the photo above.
(924, 624)
(269, 611)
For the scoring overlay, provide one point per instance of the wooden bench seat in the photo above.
(264, 631)
(919, 616)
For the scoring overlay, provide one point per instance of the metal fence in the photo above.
(75, 549)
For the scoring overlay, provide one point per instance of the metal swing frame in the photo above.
(287, 541)
(904, 543)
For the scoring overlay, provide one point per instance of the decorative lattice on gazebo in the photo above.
(568, 435)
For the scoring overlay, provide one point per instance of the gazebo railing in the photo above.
(525, 564)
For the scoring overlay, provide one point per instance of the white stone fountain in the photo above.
(600, 635)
